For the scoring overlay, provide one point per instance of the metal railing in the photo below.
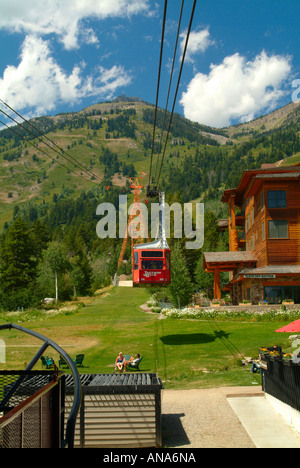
(36, 421)
(68, 441)
(281, 379)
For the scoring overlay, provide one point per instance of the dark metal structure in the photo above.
(281, 379)
(33, 416)
(17, 384)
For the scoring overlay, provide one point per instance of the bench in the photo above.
(47, 362)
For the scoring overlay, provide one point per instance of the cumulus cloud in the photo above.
(236, 89)
(64, 17)
(39, 81)
(199, 41)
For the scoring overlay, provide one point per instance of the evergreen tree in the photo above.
(181, 287)
(204, 281)
(18, 266)
(41, 236)
(81, 275)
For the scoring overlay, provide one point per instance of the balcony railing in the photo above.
(17, 385)
(281, 379)
(33, 417)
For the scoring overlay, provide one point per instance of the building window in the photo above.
(262, 200)
(249, 244)
(276, 199)
(253, 242)
(252, 216)
(277, 294)
(263, 231)
(278, 229)
(273, 294)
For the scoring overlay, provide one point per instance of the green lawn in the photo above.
(185, 353)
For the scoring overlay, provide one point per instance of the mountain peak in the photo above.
(124, 98)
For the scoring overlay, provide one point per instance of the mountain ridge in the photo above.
(113, 139)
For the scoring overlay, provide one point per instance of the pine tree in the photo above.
(18, 266)
(41, 236)
(81, 275)
(181, 286)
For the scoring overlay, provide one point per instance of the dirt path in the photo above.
(203, 418)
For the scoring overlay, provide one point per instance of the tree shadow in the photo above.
(221, 334)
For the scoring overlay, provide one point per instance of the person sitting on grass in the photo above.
(120, 362)
(132, 360)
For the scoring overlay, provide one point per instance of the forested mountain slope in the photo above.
(53, 183)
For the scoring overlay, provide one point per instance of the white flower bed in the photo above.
(257, 315)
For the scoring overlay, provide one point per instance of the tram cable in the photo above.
(28, 141)
(39, 149)
(177, 87)
(152, 192)
(62, 152)
(232, 348)
(170, 83)
(158, 85)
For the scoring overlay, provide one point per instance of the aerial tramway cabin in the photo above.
(151, 263)
(263, 260)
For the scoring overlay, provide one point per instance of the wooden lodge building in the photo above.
(264, 237)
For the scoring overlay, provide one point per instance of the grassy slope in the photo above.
(23, 178)
(292, 160)
(37, 180)
(186, 353)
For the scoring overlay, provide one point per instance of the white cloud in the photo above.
(40, 83)
(199, 41)
(109, 80)
(64, 17)
(236, 89)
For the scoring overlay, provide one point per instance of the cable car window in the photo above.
(152, 264)
(151, 253)
(136, 260)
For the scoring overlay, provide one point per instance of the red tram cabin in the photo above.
(151, 266)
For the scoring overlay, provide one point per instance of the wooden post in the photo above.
(217, 289)
(232, 211)
(233, 235)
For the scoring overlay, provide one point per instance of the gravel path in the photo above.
(203, 418)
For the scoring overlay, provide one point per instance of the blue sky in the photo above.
(63, 55)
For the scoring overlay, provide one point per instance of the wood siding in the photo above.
(261, 230)
(284, 251)
(119, 420)
(273, 251)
